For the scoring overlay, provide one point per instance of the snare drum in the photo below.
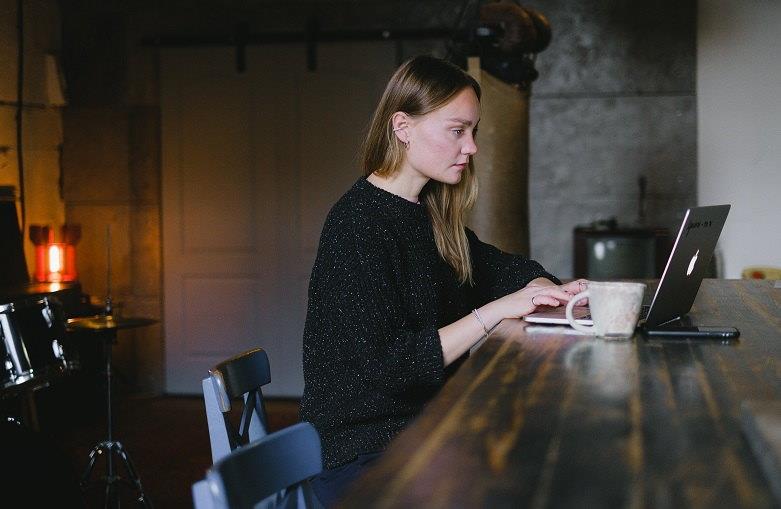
(32, 341)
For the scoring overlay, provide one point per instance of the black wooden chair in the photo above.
(281, 461)
(241, 376)
(272, 472)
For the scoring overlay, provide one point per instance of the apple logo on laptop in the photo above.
(691, 263)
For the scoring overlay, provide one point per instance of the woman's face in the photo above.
(442, 141)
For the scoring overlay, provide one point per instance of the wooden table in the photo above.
(554, 420)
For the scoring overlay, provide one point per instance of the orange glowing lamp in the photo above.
(55, 262)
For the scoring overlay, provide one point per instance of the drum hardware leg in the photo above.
(93, 455)
(133, 481)
(133, 475)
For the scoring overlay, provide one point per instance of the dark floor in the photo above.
(166, 437)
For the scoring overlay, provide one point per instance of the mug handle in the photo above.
(571, 319)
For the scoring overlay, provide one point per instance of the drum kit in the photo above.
(37, 348)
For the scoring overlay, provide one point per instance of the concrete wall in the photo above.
(739, 144)
(615, 100)
(41, 116)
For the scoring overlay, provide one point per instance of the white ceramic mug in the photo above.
(615, 308)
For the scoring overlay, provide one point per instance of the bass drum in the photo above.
(32, 347)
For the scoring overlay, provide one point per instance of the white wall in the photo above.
(739, 126)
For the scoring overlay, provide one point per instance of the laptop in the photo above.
(686, 267)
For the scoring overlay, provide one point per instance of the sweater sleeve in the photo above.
(357, 314)
(497, 273)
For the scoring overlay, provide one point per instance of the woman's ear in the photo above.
(400, 122)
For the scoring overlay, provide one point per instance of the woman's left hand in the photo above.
(572, 288)
(575, 287)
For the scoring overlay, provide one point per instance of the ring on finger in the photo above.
(533, 296)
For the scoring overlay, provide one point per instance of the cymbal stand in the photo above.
(110, 446)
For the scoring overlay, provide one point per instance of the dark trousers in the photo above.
(332, 484)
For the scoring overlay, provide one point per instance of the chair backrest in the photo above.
(279, 461)
(239, 376)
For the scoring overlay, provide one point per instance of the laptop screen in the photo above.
(688, 263)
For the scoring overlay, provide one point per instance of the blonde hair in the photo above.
(420, 86)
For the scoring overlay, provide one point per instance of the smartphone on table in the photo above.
(692, 331)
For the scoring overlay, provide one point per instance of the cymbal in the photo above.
(107, 322)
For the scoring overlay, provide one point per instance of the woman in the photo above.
(401, 289)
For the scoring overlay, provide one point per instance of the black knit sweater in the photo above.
(379, 292)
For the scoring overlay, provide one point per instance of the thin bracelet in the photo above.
(479, 319)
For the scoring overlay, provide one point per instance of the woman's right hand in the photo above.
(524, 301)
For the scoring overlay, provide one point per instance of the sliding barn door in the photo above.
(252, 162)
